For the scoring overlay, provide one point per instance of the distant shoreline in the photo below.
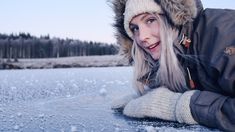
(66, 62)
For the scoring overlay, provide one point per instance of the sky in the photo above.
(87, 20)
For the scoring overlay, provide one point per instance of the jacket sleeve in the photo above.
(213, 110)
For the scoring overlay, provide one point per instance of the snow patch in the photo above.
(103, 92)
(150, 129)
(74, 129)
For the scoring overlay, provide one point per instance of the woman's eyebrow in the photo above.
(144, 16)
(132, 24)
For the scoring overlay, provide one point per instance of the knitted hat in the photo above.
(136, 7)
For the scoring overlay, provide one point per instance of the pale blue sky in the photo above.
(77, 19)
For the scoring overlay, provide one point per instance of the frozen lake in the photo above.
(76, 99)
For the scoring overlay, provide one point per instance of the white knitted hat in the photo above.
(136, 7)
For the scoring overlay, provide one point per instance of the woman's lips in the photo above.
(151, 47)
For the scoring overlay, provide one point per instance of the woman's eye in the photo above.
(150, 20)
(134, 29)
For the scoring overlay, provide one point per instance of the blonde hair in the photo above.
(141, 67)
(170, 73)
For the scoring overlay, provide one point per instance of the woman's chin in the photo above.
(155, 57)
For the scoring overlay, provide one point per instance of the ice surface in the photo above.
(76, 99)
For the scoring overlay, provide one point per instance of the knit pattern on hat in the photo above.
(136, 7)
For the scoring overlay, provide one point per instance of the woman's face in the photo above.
(145, 28)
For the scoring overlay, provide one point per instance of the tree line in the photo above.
(24, 45)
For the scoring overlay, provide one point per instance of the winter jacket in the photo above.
(209, 57)
(213, 43)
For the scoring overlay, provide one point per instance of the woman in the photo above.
(184, 61)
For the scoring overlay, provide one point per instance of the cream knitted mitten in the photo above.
(120, 103)
(163, 104)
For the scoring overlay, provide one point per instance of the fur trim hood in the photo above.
(178, 12)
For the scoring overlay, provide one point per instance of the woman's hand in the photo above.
(120, 103)
(163, 104)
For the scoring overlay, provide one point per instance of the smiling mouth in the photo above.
(153, 45)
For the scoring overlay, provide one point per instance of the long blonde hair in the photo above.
(170, 73)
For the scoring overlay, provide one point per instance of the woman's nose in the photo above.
(144, 33)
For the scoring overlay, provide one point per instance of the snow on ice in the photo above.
(75, 99)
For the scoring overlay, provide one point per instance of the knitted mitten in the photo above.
(120, 103)
(163, 104)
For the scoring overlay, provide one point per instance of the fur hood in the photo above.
(178, 12)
